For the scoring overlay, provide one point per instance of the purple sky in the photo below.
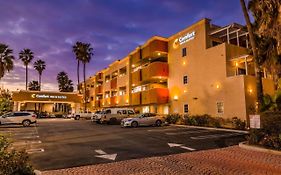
(113, 27)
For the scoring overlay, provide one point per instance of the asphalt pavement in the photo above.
(64, 143)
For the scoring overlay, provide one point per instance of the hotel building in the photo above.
(203, 69)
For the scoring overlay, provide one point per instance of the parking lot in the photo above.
(63, 143)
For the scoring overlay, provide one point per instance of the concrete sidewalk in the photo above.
(231, 160)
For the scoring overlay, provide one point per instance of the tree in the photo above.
(75, 50)
(26, 56)
(65, 84)
(267, 27)
(6, 59)
(33, 86)
(5, 101)
(83, 52)
(40, 66)
(255, 56)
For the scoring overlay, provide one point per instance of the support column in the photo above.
(237, 38)
(227, 35)
(246, 66)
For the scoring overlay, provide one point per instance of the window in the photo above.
(185, 108)
(108, 111)
(130, 112)
(185, 79)
(220, 107)
(183, 52)
(124, 111)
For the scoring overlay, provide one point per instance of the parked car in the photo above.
(24, 118)
(145, 119)
(85, 115)
(115, 115)
(97, 116)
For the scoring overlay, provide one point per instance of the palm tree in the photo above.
(83, 52)
(75, 50)
(255, 56)
(40, 66)
(65, 84)
(6, 59)
(26, 56)
(33, 86)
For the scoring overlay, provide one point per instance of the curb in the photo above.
(209, 128)
(244, 145)
(37, 172)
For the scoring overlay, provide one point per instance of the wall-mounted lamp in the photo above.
(176, 97)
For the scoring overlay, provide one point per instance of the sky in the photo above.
(113, 28)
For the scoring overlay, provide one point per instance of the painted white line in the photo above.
(99, 151)
(107, 156)
(171, 145)
(187, 148)
(37, 172)
(215, 136)
(25, 143)
(30, 137)
(36, 150)
(187, 132)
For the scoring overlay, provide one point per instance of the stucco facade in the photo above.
(203, 69)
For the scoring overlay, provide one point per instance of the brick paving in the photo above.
(226, 161)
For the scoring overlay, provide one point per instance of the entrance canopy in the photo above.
(46, 96)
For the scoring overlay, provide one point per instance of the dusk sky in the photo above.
(113, 27)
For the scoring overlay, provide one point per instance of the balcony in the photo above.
(135, 58)
(154, 49)
(136, 98)
(113, 83)
(155, 96)
(155, 70)
(97, 103)
(113, 101)
(99, 77)
(136, 77)
(98, 90)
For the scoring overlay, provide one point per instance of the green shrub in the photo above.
(238, 123)
(270, 133)
(202, 120)
(173, 118)
(12, 161)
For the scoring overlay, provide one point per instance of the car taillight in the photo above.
(34, 115)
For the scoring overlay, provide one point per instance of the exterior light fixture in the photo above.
(250, 90)
(159, 54)
(217, 86)
(184, 63)
(127, 101)
(133, 65)
(185, 91)
(236, 64)
(176, 97)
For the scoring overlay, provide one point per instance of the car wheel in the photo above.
(158, 123)
(77, 117)
(134, 124)
(26, 123)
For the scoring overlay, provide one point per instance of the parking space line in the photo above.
(35, 150)
(21, 143)
(99, 151)
(187, 132)
(215, 136)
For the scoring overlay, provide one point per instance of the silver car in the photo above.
(145, 119)
(24, 118)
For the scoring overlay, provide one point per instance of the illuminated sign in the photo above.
(46, 96)
(183, 39)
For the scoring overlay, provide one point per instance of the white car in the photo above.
(24, 118)
(97, 116)
(85, 115)
(145, 119)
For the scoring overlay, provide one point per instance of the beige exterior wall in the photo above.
(212, 72)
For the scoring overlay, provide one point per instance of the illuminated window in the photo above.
(220, 107)
(183, 52)
(185, 79)
(185, 108)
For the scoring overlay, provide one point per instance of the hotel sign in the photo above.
(46, 96)
(184, 39)
(187, 37)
